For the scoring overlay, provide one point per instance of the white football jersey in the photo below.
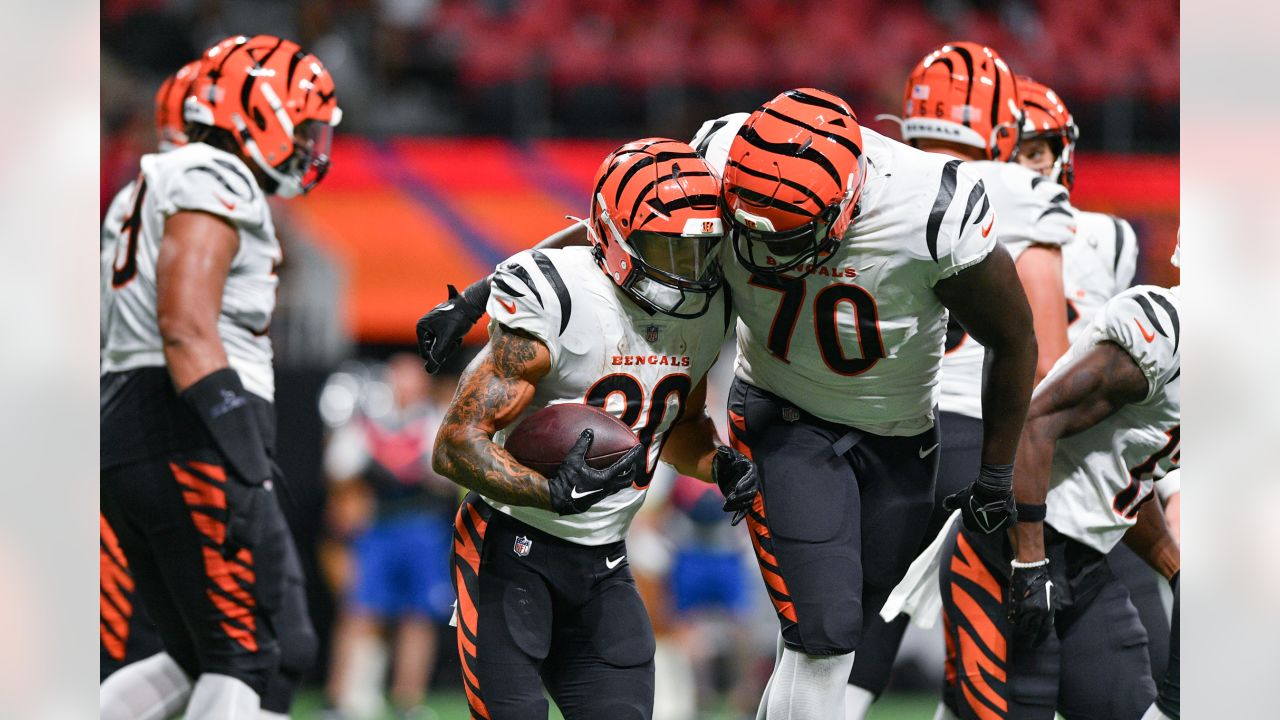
(117, 214)
(1103, 475)
(1096, 267)
(194, 177)
(858, 341)
(1031, 210)
(608, 352)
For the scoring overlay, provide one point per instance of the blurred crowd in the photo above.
(621, 67)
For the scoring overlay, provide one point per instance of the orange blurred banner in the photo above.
(405, 217)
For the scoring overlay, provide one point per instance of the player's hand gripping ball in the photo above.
(585, 453)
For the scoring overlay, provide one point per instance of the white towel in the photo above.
(918, 594)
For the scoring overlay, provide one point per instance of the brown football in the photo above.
(542, 440)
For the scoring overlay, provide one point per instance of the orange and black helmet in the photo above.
(1045, 116)
(170, 127)
(792, 181)
(276, 100)
(655, 225)
(963, 92)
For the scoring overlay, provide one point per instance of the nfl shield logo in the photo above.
(790, 414)
(522, 545)
(651, 333)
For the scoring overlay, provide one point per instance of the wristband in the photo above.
(477, 296)
(1028, 565)
(1028, 512)
(996, 479)
(220, 401)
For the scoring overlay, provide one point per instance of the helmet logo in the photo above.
(708, 226)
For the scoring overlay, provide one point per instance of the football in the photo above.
(541, 441)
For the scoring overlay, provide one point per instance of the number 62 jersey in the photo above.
(1102, 476)
(608, 352)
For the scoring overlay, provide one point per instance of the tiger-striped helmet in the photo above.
(655, 225)
(963, 92)
(173, 92)
(276, 100)
(1045, 116)
(792, 181)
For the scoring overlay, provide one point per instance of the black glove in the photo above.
(735, 475)
(1032, 602)
(440, 331)
(221, 402)
(577, 486)
(987, 504)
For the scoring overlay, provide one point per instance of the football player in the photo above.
(631, 325)
(1097, 266)
(1042, 623)
(962, 100)
(126, 632)
(187, 422)
(847, 251)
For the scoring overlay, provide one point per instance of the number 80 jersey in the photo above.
(858, 340)
(195, 177)
(607, 352)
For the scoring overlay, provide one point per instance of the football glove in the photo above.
(735, 475)
(440, 331)
(987, 504)
(577, 486)
(1032, 602)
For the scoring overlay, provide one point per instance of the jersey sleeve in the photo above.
(1144, 320)
(204, 182)
(962, 226)
(1040, 211)
(527, 295)
(713, 139)
(1169, 484)
(1126, 258)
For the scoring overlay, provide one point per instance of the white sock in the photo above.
(222, 697)
(857, 702)
(764, 697)
(809, 687)
(152, 689)
(943, 713)
(1153, 713)
(268, 715)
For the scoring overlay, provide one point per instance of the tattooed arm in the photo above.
(1089, 390)
(493, 391)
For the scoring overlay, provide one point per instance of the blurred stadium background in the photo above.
(471, 130)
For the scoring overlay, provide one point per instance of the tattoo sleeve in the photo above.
(493, 391)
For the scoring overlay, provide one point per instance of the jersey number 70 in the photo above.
(825, 305)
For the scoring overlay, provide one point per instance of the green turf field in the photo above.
(450, 706)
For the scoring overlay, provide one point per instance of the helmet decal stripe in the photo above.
(790, 150)
(968, 64)
(946, 191)
(798, 187)
(763, 200)
(807, 99)
(843, 142)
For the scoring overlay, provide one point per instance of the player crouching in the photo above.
(545, 597)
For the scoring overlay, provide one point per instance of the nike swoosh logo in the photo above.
(573, 492)
(866, 267)
(225, 204)
(507, 305)
(987, 230)
(611, 564)
(1148, 335)
(926, 453)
